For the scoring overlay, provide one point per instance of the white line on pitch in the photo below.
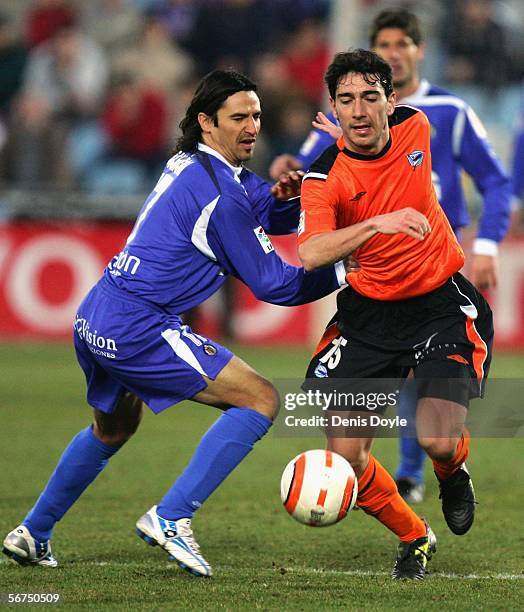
(309, 570)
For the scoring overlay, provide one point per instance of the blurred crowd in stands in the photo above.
(91, 93)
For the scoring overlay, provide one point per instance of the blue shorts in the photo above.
(125, 344)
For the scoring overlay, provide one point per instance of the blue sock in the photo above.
(222, 448)
(412, 455)
(81, 462)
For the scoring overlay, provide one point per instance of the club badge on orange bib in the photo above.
(415, 158)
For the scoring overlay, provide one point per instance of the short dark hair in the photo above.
(400, 18)
(211, 93)
(372, 67)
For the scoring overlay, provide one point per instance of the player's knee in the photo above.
(360, 463)
(113, 437)
(266, 399)
(440, 449)
(358, 458)
(116, 428)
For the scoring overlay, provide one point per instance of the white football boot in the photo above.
(20, 545)
(176, 538)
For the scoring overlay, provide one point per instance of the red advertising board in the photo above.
(46, 269)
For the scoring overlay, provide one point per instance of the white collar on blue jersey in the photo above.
(416, 95)
(202, 147)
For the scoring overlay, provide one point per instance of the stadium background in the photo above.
(72, 178)
(66, 209)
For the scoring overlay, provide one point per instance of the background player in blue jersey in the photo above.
(518, 169)
(207, 217)
(458, 143)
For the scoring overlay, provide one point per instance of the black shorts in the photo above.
(444, 336)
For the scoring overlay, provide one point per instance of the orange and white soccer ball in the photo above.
(318, 488)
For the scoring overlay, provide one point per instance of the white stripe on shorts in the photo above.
(181, 349)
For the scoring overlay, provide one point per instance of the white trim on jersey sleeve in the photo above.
(404, 105)
(469, 115)
(316, 175)
(199, 235)
(340, 270)
(463, 111)
(457, 132)
(485, 246)
(415, 97)
(476, 123)
(440, 100)
(422, 98)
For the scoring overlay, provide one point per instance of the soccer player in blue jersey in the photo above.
(206, 218)
(458, 143)
(518, 169)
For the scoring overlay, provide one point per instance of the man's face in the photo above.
(401, 53)
(363, 110)
(236, 129)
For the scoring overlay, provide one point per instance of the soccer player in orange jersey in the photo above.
(407, 307)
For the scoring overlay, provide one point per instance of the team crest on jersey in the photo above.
(264, 240)
(321, 371)
(415, 158)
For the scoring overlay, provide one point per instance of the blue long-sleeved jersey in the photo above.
(206, 219)
(458, 141)
(518, 157)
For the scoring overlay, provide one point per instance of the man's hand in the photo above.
(321, 122)
(404, 221)
(282, 164)
(288, 185)
(484, 271)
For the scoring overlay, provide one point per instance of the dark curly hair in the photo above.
(373, 68)
(212, 91)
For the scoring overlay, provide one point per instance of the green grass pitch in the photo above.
(262, 559)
